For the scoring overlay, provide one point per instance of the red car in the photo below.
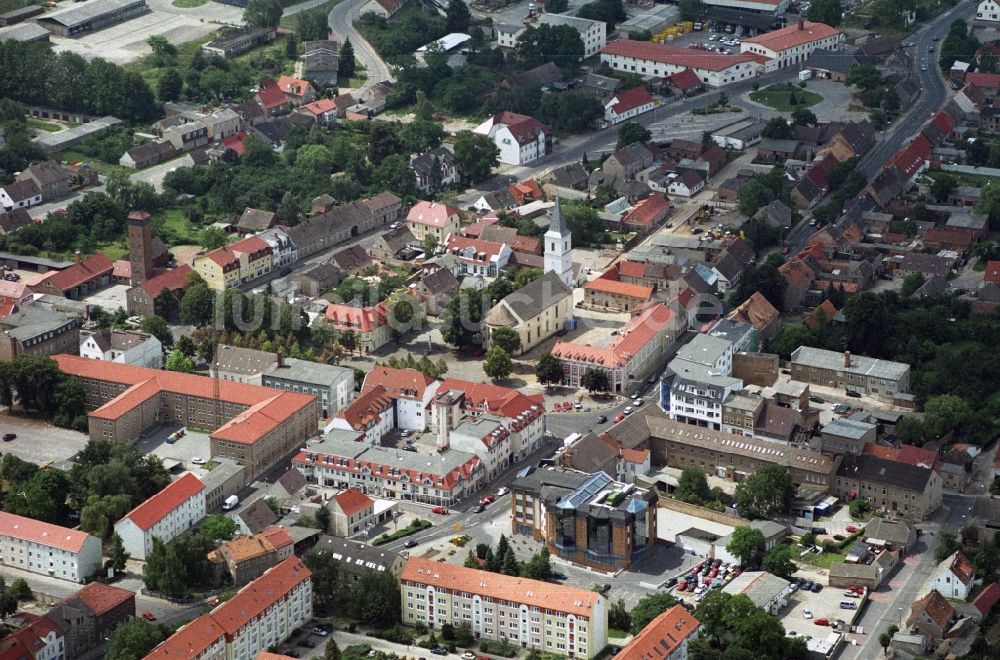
(682, 585)
(440, 509)
(619, 417)
(148, 616)
(713, 573)
(853, 528)
(821, 622)
(930, 49)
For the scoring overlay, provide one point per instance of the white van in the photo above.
(848, 605)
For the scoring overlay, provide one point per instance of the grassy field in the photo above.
(44, 125)
(95, 164)
(289, 20)
(779, 97)
(175, 220)
(617, 634)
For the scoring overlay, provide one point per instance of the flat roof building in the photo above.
(91, 16)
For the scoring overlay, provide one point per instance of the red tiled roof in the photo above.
(812, 321)
(675, 55)
(42, 533)
(191, 641)
(360, 319)
(122, 269)
(631, 99)
(271, 97)
(943, 121)
(820, 172)
(661, 636)
(475, 230)
(89, 269)
(497, 400)
(320, 107)
(431, 214)
(398, 383)
(797, 34)
(608, 282)
(992, 272)
(963, 568)
(259, 595)
(525, 190)
(640, 331)
(235, 142)
(685, 80)
(102, 598)
(176, 493)
(525, 129)
(983, 80)
(908, 454)
(229, 254)
(558, 597)
(913, 157)
(756, 310)
(28, 641)
(352, 501)
(261, 418)
(797, 272)
(489, 248)
(987, 598)
(293, 86)
(646, 211)
(935, 606)
(364, 410)
(278, 536)
(172, 279)
(7, 307)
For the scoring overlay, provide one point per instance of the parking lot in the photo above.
(824, 605)
(41, 443)
(109, 299)
(193, 445)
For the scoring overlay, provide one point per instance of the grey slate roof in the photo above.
(824, 359)
(312, 373)
(440, 281)
(358, 557)
(257, 516)
(33, 321)
(848, 428)
(245, 361)
(531, 300)
(880, 470)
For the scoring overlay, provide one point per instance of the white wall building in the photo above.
(487, 438)
(648, 58)
(558, 248)
(593, 34)
(697, 382)
(954, 577)
(174, 510)
(123, 346)
(283, 250)
(520, 139)
(371, 414)
(988, 10)
(628, 104)
(411, 391)
(40, 547)
(791, 46)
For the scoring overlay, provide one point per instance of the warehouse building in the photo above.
(91, 16)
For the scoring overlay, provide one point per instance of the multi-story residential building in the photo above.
(40, 639)
(230, 266)
(531, 614)
(370, 324)
(341, 460)
(185, 137)
(371, 414)
(479, 257)
(608, 293)
(141, 300)
(435, 169)
(636, 351)
(432, 219)
(593, 34)
(882, 379)
(697, 382)
(908, 491)
(260, 616)
(844, 436)
(255, 426)
(40, 547)
(535, 312)
(411, 393)
(485, 436)
(589, 519)
(791, 46)
(665, 638)
(283, 250)
(249, 557)
(243, 365)
(351, 511)
(140, 349)
(654, 59)
(332, 386)
(37, 332)
(520, 139)
(171, 512)
(988, 10)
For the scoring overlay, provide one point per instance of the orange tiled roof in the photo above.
(908, 454)
(647, 210)
(262, 417)
(85, 271)
(368, 407)
(293, 86)
(936, 607)
(639, 331)
(489, 248)
(661, 636)
(352, 501)
(322, 106)
(248, 547)
(546, 595)
(431, 214)
(495, 399)
(191, 641)
(393, 473)
(229, 255)
(42, 533)
(812, 321)
(361, 319)
(278, 536)
(963, 568)
(398, 383)
(797, 34)
(259, 595)
(609, 285)
(102, 598)
(675, 55)
(987, 598)
(176, 493)
(757, 311)
(172, 279)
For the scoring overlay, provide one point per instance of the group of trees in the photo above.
(825, 11)
(764, 278)
(373, 598)
(732, 626)
(611, 12)
(692, 487)
(38, 386)
(134, 639)
(18, 149)
(502, 560)
(748, 545)
(880, 98)
(11, 594)
(763, 189)
(31, 73)
(768, 491)
(846, 181)
(174, 568)
(959, 44)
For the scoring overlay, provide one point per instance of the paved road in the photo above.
(342, 19)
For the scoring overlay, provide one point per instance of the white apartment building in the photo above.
(988, 10)
(649, 58)
(261, 616)
(697, 382)
(791, 46)
(411, 392)
(370, 413)
(593, 34)
(174, 510)
(485, 437)
(531, 614)
(520, 139)
(283, 250)
(123, 346)
(40, 547)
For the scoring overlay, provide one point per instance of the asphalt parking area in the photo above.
(822, 605)
(192, 445)
(41, 443)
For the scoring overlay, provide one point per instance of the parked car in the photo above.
(671, 581)
(479, 508)
(7, 437)
(148, 616)
(816, 588)
(439, 510)
(489, 499)
(628, 410)
(839, 537)
(682, 585)
(602, 418)
(198, 460)
(437, 650)
(556, 575)
(319, 631)
(853, 394)
(468, 655)
(502, 491)
(308, 643)
(816, 399)
(807, 613)
(853, 529)
(822, 622)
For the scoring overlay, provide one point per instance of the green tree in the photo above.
(764, 278)
(792, 336)
(942, 186)
(619, 617)
(746, 543)
(631, 132)
(912, 282)
(117, 556)
(462, 318)
(20, 590)
(609, 11)
(177, 361)
(70, 405)
(326, 577)
(457, 16)
(507, 339)
(218, 528)
(375, 600)
(169, 85)
(559, 44)
(263, 13)
(825, 11)
(331, 651)
(549, 369)
(157, 326)
(539, 567)
(475, 156)
(134, 639)
(100, 513)
(291, 47)
(595, 380)
(394, 173)
(692, 10)
(346, 66)
(648, 608)
(556, 6)
(777, 128)
(429, 244)
(692, 487)
(471, 561)
(198, 305)
(497, 364)
(804, 116)
(323, 519)
(768, 491)
(865, 76)
(778, 561)
(163, 572)
(945, 413)
(163, 51)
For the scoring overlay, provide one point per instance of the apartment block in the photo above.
(171, 512)
(535, 615)
(40, 547)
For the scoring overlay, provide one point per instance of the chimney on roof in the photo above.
(802, 24)
(281, 359)
(77, 256)
(847, 359)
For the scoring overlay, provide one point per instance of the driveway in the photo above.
(342, 20)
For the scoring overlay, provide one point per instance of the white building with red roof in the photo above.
(520, 139)
(40, 639)
(479, 257)
(260, 616)
(47, 549)
(648, 58)
(628, 104)
(370, 414)
(351, 511)
(954, 577)
(664, 638)
(370, 324)
(792, 45)
(410, 391)
(432, 219)
(174, 510)
(639, 347)
(230, 266)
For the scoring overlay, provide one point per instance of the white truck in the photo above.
(230, 503)
(805, 75)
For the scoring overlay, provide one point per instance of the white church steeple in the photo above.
(559, 248)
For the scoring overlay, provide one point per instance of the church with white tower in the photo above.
(559, 248)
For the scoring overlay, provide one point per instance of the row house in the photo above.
(232, 265)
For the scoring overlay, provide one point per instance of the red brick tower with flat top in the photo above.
(140, 246)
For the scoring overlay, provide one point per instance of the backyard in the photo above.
(785, 97)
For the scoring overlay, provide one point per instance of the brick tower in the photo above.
(140, 246)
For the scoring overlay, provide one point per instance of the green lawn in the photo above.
(779, 97)
(617, 634)
(176, 220)
(44, 125)
(188, 4)
(95, 164)
(823, 560)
